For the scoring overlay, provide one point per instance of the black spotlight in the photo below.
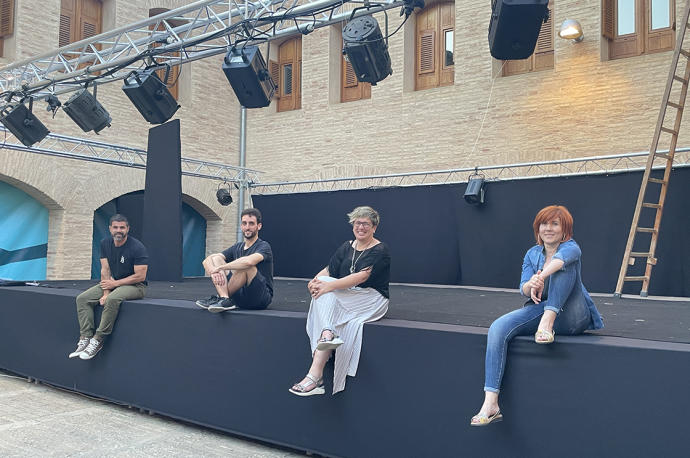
(366, 50)
(514, 27)
(150, 95)
(23, 124)
(474, 193)
(223, 195)
(87, 112)
(246, 72)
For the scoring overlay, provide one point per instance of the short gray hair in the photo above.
(364, 212)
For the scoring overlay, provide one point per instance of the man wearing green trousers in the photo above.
(124, 262)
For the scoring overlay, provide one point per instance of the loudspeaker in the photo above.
(474, 193)
(366, 50)
(23, 124)
(246, 72)
(87, 112)
(150, 95)
(514, 27)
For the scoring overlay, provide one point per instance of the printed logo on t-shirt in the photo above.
(122, 260)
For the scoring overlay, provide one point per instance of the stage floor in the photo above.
(658, 319)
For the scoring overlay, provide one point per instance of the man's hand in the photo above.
(109, 284)
(218, 278)
(103, 298)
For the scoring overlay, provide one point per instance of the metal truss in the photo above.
(596, 165)
(196, 31)
(105, 153)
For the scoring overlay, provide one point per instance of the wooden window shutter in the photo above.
(290, 69)
(631, 44)
(274, 68)
(68, 22)
(660, 39)
(608, 15)
(427, 61)
(6, 17)
(446, 26)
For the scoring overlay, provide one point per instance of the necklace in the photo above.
(354, 261)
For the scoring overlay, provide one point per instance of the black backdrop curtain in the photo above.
(435, 237)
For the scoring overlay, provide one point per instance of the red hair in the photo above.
(551, 213)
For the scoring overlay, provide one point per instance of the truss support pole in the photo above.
(243, 177)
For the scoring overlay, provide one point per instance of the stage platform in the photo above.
(662, 319)
(618, 392)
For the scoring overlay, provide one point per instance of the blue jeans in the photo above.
(563, 297)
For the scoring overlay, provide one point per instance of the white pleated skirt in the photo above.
(345, 311)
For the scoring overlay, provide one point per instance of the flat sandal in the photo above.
(302, 388)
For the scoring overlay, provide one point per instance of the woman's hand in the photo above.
(317, 288)
(536, 287)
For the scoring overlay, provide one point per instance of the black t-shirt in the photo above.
(377, 257)
(122, 259)
(263, 248)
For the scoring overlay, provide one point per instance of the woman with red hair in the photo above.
(558, 301)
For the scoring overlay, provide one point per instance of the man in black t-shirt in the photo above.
(242, 274)
(124, 262)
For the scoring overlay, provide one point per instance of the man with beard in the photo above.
(124, 263)
(242, 274)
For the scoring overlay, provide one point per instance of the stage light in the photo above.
(150, 95)
(223, 195)
(474, 193)
(246, 72)
(514, 27)
(366, 50)
(87, 112)
(23, 124)
(571, 30)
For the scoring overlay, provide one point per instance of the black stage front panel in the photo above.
(417, 385)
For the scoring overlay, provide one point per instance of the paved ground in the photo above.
(39, 420)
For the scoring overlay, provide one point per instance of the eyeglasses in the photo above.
(364, 224)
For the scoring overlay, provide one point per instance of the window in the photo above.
(634, 27)
(542, 58)
(287, 74)
(79, 19)
(434, 46)
(6, 22)
(350, 88)
(174, 74)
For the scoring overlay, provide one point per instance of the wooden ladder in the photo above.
(629, 257)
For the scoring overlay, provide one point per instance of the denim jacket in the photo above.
(569, 252)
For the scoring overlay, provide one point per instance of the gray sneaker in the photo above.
(94, 347)
(223, 305)
(209, 301)
(81, 346)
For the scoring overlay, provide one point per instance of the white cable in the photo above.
(486, 110)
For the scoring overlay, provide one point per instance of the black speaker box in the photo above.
(366, 50)
(246, 72)
(514, 27)
(150, 95)
(23, 124)
(87, 112)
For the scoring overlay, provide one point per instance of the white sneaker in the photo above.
(81, 346)
(90, 351)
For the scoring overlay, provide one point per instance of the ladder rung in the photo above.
(664, 155)
(646, 229)
(669, 131)
(675, 105)
(648, 205)
(641, 278)
(656, 180)
(639, 255)
(681, 79)
(685, 53)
